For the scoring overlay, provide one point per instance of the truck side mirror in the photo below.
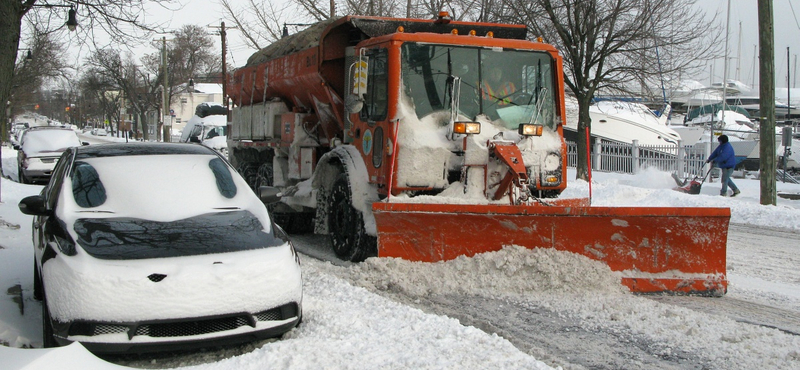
(353, 103)
(358, 71)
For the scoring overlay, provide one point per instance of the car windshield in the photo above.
(147, 206)
(508, 86)
(156, 187)
(48, 142)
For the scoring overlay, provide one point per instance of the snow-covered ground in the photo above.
(354, 320)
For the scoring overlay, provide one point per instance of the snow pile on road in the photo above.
(358, 330)
(675, 331)
(512, 271)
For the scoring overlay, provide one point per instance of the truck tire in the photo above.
(349, 240)
(249, 172)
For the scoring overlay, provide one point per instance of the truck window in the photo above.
(507, 86)
(376, 100)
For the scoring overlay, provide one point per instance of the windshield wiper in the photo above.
(539, 105)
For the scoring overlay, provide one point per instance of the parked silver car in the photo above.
(39, 149)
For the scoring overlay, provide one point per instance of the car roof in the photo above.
(37, 128)
(134, 149)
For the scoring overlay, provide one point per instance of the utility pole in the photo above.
(121, 121)
(167, 117)
(766, 37)
(223, 35)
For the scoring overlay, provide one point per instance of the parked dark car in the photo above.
(38, 150)
(145, 247)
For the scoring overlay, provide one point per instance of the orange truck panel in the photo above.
(655, 249)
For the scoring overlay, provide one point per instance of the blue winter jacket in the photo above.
(724, 156)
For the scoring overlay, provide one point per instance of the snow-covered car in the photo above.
(19, 127)
(146, 247)
(39, 149)
(99, 131)
(208, 126)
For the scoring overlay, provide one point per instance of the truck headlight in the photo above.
(552, 162)
(467, 128)
(530, 130)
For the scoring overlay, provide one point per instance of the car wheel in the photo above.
(37, 283)
(48, 340)
(346, 224)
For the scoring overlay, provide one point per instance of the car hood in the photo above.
(125, 238)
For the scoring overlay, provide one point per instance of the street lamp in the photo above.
(72, 21)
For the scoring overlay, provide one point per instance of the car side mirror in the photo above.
(33, 205)
(269, 194)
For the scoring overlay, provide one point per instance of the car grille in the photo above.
(189, 328)
(185, 328)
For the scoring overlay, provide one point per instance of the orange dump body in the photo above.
(679, 250)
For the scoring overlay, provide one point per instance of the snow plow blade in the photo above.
(672, 250)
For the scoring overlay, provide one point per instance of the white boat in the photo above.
(752, 104)
(625, 122)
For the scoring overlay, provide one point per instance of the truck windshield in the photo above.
(507, 86)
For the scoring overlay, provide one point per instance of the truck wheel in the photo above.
(346, 224)
(249, 172)
(48, 341)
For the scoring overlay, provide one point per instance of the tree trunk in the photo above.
(11, 14)
(584, 130)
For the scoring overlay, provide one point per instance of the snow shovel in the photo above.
(693, 187)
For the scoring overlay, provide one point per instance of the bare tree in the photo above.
(259, 22)
(43, 60)
(119, 21)
(191, 54)
(611, 45)
(112, 78)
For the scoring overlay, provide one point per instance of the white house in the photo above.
(184, 105)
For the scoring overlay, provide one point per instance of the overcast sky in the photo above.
(745, 13)
(741, 52)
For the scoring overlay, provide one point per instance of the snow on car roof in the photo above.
(180, 179)
(48, 141)
(133, 149)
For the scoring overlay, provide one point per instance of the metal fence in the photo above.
(608, 156)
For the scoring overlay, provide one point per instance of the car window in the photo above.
(87, 188)
(53, 186)
(223, 176)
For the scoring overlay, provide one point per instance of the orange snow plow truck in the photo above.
(431, 139)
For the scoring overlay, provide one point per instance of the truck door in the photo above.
(370, 126)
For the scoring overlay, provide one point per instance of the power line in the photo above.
(794, 15)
